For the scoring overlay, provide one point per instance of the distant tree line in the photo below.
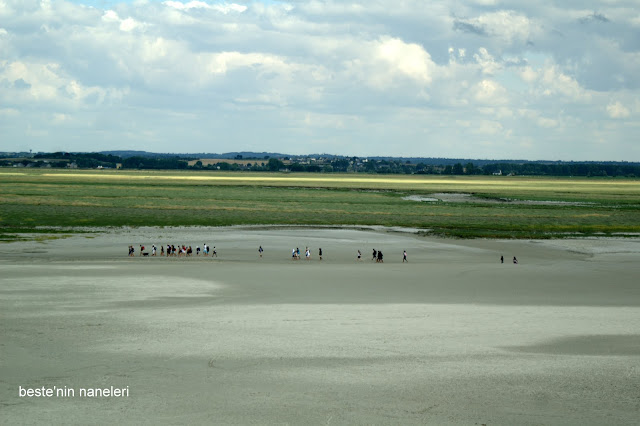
(97, 160)
(330, 164)
(82, 160)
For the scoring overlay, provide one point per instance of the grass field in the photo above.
(41, 200)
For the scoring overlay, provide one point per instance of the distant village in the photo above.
(316, 164)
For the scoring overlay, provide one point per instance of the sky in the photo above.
(485, 79)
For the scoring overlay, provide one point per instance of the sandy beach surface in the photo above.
(451, 337)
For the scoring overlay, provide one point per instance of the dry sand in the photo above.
(452, 337)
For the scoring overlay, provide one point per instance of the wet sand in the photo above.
(452, 337)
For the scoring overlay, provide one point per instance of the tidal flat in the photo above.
(454, 336)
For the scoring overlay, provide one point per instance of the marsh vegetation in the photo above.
(502, 207)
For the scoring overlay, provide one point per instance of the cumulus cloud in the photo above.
(549, 81)
(487, 63)
(555, 82)
(47, 82)
(407, 59)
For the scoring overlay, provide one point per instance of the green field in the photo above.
(47, 200)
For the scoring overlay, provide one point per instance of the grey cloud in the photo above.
(517, 62)
(594, 17)
(21, 84)
(467, 27)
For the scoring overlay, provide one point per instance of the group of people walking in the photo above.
(295, 253)
(377, 256)
(172, 250)
(187, 251)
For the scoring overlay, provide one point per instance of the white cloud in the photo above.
(221, 63)
(489, 92)
(507, 25)
(60, 118)
(126, 25)
(47, 82)
(129, 24)
(528, 74)
(9, 112)
(390, 63)
(224, 8)
(486, 127)
(186, 6)
(617, 110)
(110, 16)
(43, 79)
(335, 121)
(547, 122)
(555, 82)
(498, 113)
(409, 59)
(487, 63)
(538, 119)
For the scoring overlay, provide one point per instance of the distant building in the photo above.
(498, 173)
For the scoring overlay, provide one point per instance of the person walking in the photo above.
(404, 257)
(260, 250)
